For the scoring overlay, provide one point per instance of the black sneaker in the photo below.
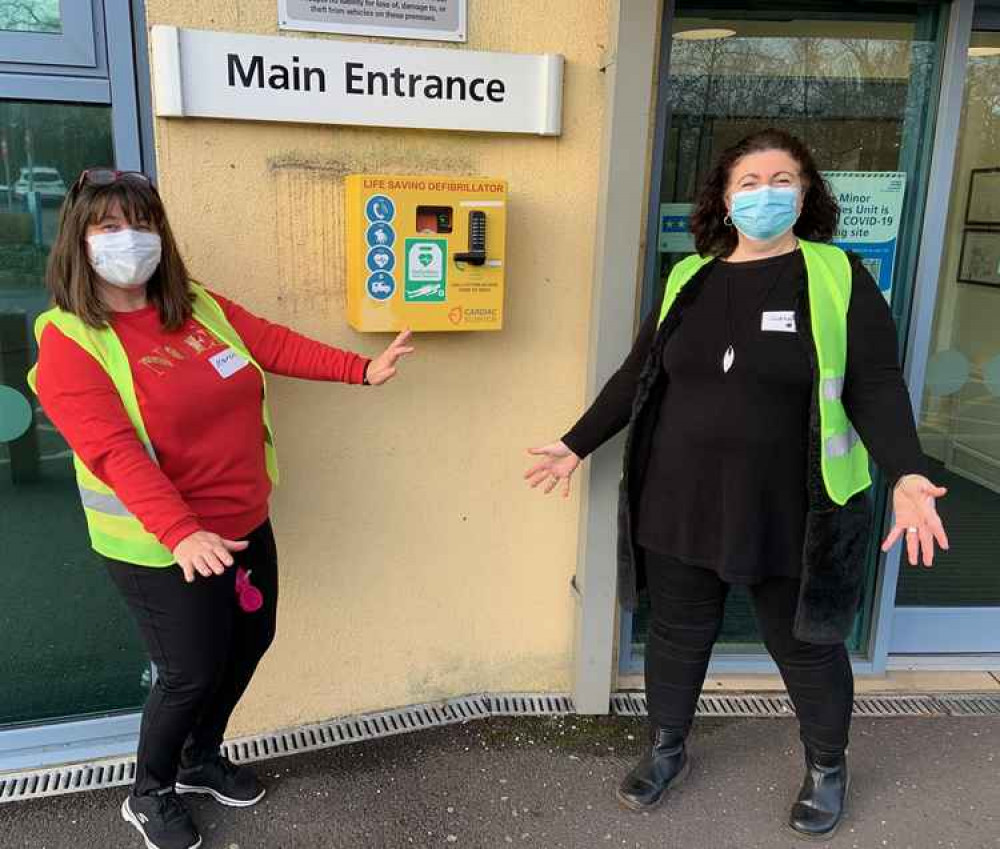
(220, 778)
(162, 820)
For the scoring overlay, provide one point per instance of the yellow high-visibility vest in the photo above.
(114, 531)
(844, 458)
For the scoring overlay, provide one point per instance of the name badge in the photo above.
(778, 322)
(227, 363)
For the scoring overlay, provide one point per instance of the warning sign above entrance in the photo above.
(438, 20)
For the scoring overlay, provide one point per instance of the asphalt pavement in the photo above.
(918, 783)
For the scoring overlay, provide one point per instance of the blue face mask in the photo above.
(765, 213)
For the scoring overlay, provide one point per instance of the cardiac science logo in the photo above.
(483, 315)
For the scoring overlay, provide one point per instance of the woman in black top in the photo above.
(723, 475)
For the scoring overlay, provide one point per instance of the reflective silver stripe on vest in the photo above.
(101, 502)
(833, 388)
(840, 444)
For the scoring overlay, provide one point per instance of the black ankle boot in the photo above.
(820, 806)
(664, 767)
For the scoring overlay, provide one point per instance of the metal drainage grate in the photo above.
(898, 706)
(526, 704)
(780, 705)
(372, 726)
(628, 704)
(735, 706)
(972, 705)
(745, 706)
(118, 772)
(115, 772)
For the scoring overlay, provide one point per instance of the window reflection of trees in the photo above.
(847, 97)
(982, 98)
(30, 15)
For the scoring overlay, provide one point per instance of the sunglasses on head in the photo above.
(109, 176)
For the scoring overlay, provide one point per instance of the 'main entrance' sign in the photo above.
(262, 78)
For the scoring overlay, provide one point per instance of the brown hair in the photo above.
(820, 212)
(71, 278)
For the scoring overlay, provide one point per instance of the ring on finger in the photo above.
(912, 530)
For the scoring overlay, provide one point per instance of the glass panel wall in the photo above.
(859, 91)
(68, 648)
(960, 415)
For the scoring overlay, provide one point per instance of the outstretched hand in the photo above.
(383, 368)
(916, 517)
(558, 465)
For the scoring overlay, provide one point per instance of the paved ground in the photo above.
(918, 784)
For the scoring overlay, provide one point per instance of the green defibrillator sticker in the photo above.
(426, 271)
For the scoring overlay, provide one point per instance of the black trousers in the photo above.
(206, 649)
(687, 604)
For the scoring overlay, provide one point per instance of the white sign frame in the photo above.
(333, 81)
(461, 34)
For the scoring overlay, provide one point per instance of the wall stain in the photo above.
(309, 242)
(410, 161)
(310, 220)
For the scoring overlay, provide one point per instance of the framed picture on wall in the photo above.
(980, 259)
(983, 208)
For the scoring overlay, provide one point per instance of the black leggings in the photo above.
(206, 649)
(687, 604)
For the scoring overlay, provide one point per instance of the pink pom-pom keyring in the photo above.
(249, 597)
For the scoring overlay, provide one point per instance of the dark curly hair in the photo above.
(820, 212)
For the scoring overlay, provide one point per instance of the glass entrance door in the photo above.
(955, 607)
(68, 648)
(859, 88)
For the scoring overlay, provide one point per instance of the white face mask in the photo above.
(127, 258)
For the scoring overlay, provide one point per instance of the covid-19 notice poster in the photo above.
(871, 205)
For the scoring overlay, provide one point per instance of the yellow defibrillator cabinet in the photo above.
(425, 252)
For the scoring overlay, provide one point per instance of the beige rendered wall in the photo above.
(415, 562)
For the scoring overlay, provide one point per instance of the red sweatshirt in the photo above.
(202, 416)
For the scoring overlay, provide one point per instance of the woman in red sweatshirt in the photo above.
(158, 387)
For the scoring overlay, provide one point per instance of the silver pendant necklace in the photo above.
(729, 357)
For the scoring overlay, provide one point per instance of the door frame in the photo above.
(119, 78)
(874, 656)
(923, 634)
